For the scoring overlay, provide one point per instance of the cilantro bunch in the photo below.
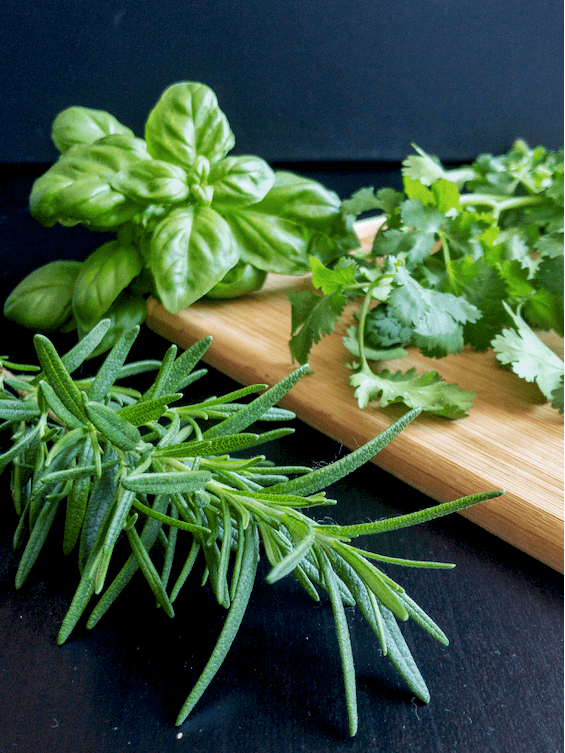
(471, 256)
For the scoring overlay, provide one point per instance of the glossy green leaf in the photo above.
(42, 301)
(82, 125)
(240, 280)
(297, 218)
(103, 276)
(152, 182)
(77, 188)
(190, 251)
(240, 181)
(128, 310)
(186, 123)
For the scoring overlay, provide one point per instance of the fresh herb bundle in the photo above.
(147, 468)
(468, 256)
(189, 218)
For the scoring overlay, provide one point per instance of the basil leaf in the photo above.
(77, 188)
(82, 125)
(153, 182)
(186, 122)
(42, 301)
(239, 181)
(103, 276)
(191, 249)
(296, 218)
(268, 242)
(327, 231)
(127, 311)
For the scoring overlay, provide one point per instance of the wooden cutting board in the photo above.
(510, 440)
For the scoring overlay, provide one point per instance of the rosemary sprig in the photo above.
(149, 469)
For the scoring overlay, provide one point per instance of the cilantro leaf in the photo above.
(330, 280)
(313, 316)
(435, 317)
(446, 197)
(529, 357)
(544, 310)
(482, 286)
(414, 189)
(421, 217)
(414, 246)
(388, 199)
(422, 167)
(383, 329)
(426, 391)
(550, 245)
(550, 274)
(361, 201)
(428, 169)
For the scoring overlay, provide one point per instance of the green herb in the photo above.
(158, 469)
(189, 218)
(459, 254)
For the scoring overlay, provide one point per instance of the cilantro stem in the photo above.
(498, 203)
(447, 262)
(361, 328)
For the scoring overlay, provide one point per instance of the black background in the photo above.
(298, 80)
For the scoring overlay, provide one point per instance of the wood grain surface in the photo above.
(511, 439)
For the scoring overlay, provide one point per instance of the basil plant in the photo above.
(190, 220)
